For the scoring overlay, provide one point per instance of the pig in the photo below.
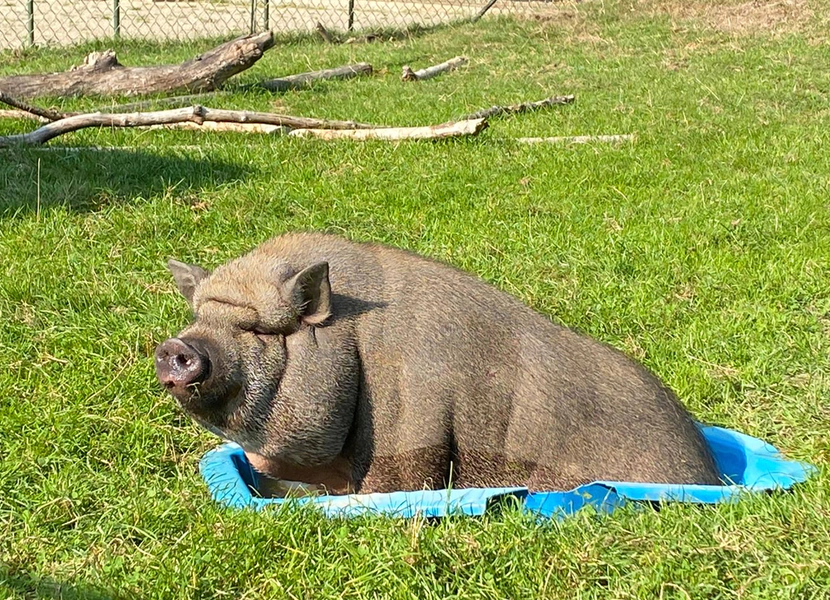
(350, 367)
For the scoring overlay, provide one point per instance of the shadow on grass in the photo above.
(88, 179)
(27, 586)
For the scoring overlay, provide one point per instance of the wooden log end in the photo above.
(98, 61)
(408, 74)
(479, 125)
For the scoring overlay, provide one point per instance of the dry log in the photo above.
(304, 80)
(194, 114)
(431, 132)
(578, 139)
(101, 73)
(513, 109)
(430, 72)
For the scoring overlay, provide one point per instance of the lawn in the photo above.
(702, 249)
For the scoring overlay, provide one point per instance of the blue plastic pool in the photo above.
(749, 464)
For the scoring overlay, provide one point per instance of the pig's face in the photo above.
(231, 358)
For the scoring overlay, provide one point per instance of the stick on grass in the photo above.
(305, 80)
(430, 72)
(194, 114)
(578, 139)
(394, 134)
(513, 109)
(22, 114)
(43, 113)
(222, 127)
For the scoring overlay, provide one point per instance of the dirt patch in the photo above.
(775, 17)
(566, 16)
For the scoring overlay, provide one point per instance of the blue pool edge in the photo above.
(751, 464)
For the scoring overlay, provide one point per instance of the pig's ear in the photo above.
(310, 290)
(187, 277)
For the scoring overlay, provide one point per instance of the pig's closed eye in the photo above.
(264, 337)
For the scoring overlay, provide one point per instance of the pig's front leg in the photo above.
(278, 480)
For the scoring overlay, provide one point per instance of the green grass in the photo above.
(703, 250)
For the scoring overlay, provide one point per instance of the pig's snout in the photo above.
(179, 365)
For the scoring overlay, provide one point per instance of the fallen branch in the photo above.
(101, 73)
(195, 114)
(22, 114)
(240, 116)
(431, 132)
(513, 109)
(481, 13)
(43, 113)
(430, 72)
(304, 80)
(579, 139)
(223, 126)
(324, 33)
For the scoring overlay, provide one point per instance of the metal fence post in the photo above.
(351, 15)
(116, 18)
(266, 16)
(253, 17)
(30, 21)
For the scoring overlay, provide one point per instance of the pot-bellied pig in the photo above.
(358, 367)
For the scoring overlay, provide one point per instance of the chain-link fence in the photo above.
(61, 22)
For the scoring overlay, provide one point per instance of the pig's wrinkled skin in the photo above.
(357, 367)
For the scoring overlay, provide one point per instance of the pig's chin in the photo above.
(207, 402)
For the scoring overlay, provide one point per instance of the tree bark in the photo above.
(102, 74)
(392, 134)
(304, 80)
